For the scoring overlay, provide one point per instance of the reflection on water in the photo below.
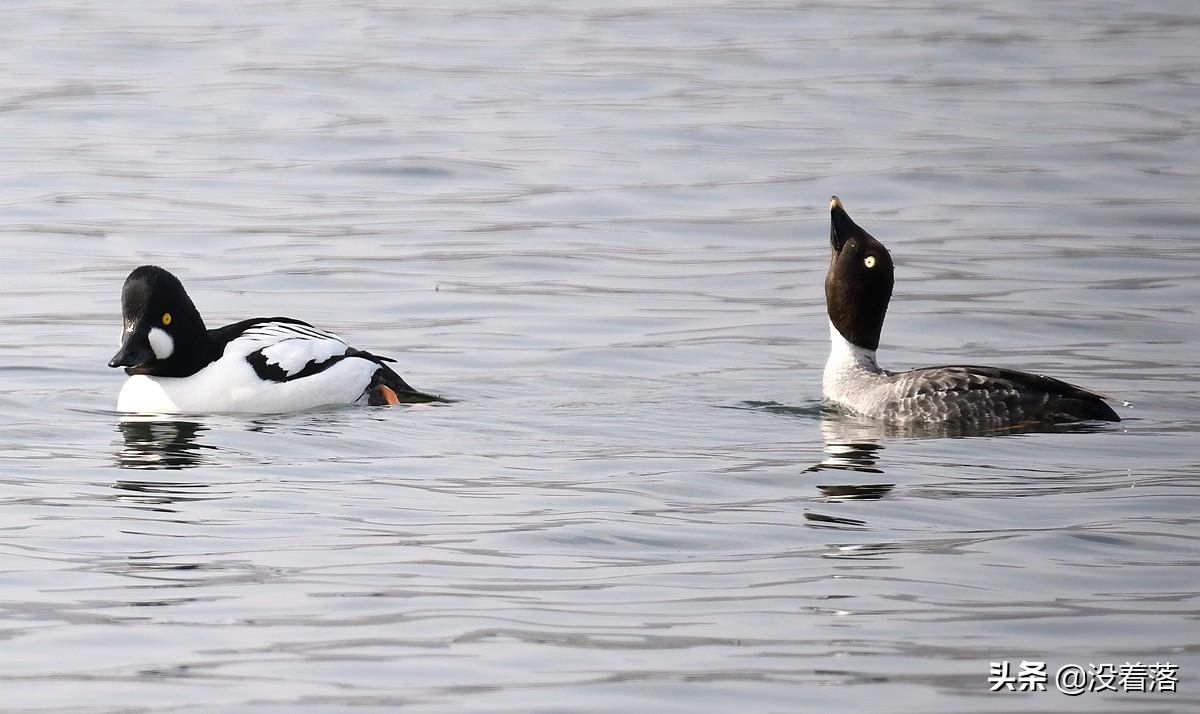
(850, 456)
(841, 428)
(856, 492)
(846, 452)
(149, 443)
(819, 520)
(154, 444)
(158, 495)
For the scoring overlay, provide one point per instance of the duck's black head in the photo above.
(859, 283)
(162, 332)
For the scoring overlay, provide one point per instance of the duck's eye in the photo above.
(166, 320)
(869, 261)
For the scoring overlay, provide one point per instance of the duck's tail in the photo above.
(388, 388)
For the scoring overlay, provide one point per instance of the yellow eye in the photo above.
(869, 261)
(166, 319)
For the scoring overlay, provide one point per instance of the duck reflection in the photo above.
(157, 444)
(839, 427)
(852, 450)
(149, 444)
(855, 445)
(850, 445)
(158, 496)
(850, 456)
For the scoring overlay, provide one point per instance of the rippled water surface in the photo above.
(601, 228)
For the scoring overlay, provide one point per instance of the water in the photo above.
(602, 229)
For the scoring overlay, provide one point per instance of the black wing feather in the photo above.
(273, 372)
(222, 336)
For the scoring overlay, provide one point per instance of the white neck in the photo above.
(846, 357)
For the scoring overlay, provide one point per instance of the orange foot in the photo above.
(388, 395)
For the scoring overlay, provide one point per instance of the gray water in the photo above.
(601, 228)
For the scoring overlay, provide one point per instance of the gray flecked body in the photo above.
(967, 396)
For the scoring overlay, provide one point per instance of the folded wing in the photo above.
(283, 349)
(994, 393)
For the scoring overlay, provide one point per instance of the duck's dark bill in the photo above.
(133, 356)
(841, 227)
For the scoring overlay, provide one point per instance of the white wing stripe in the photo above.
(295, 354)
(289, 346)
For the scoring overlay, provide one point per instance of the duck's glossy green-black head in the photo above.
(162, 332)
(859, 283)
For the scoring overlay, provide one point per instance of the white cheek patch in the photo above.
(161, 342)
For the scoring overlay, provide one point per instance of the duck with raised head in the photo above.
(858, 288)
(261, 365)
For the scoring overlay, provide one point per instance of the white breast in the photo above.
(145, 394)
(853, 379)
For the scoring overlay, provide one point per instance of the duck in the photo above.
(858, 288)
(260, 365)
